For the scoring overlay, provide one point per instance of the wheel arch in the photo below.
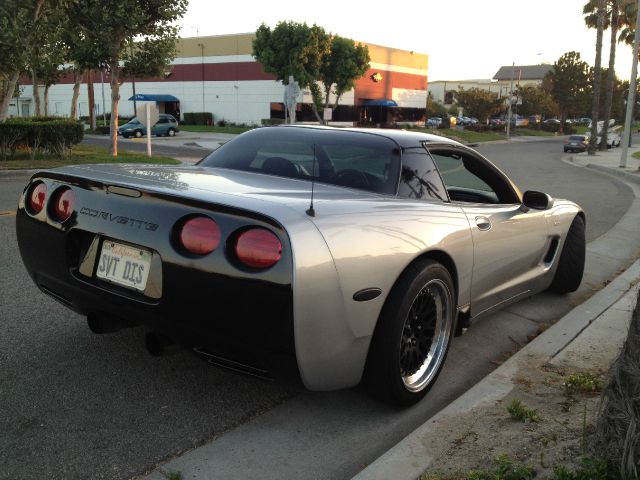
(437, 255)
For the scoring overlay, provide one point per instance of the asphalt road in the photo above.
(78, 405)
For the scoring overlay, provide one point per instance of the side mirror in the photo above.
(536, 200)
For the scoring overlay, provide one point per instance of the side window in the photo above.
(163, 120)
(468, 179)
(419, 177)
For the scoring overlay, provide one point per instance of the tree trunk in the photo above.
(115, 98)
(92, 104)
(610, 75)
(596, 79)
(46, 100)
(36, 94)
(77, 80)
(7, 87)
(335, 105)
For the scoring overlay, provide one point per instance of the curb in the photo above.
(410, 458)
(632, 177)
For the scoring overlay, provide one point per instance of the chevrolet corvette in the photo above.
(327, 256)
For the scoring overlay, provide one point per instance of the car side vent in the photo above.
(548, 258)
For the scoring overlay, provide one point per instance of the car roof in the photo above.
(404, 138)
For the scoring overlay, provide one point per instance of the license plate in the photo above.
(124, 265)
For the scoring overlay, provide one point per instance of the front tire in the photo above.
(413, 334)
(571, 263)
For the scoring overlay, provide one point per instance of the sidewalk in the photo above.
(586, 339)
(284, 442)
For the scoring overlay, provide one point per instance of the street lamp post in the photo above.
(201, 45)
(631, 98)
(510, 96)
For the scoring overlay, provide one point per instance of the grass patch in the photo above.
(582, 129)
(82, 154)
(590, 469)
(463, 136)
(521, 412)
(585, 382)
(214, 129)
(506, 469)
(171, 474)
(530, 132)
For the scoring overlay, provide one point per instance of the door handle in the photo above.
(483, 223)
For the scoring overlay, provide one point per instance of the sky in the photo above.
(465, 39)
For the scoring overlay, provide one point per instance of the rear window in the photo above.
(339, 157)
(578, 138)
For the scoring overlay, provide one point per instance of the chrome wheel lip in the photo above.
(427, 371)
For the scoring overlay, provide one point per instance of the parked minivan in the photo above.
(166, 125)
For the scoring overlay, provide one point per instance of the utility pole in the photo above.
(631, 97)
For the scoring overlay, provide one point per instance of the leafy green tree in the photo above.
(569, 82)
(19, 27)
(108, 30)
(434, 108)
(478, 103)
(345, 63)
(537, 101)
(47, 55)
(294, 49)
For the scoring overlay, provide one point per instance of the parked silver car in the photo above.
(325, 255)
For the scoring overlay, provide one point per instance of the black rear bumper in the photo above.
(242, 320)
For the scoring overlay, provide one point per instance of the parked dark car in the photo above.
(576, 143)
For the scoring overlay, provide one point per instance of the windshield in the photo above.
(346, 158)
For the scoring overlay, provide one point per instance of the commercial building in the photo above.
(218, 74)
(506, 78)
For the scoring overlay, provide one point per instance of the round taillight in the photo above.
(258, 248)
(64, 202)
(37, 197)
(199, 235)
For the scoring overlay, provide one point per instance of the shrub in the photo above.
(198, 118)
(521, 412)
(52, 136)
(272, 121)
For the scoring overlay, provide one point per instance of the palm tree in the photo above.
(600, 15)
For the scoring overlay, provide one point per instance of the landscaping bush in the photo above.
(198, 118)
(49, 135)
(272, 121)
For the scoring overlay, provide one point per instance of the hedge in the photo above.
(48, 135)
(198, 118)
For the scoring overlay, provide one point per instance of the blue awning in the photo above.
(144, 97)
(383, 102)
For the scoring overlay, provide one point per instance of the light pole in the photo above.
(510, 95)
(201, 45)
(631, 97)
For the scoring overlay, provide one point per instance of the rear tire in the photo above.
(171, 132)
(413, 335)
(138, 133)
(571, 264)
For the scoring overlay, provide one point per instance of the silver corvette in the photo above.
(330, 256)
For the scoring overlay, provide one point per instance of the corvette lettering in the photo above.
(120, 219)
